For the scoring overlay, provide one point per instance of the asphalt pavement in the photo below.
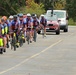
(52, 55)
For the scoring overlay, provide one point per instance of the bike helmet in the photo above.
(42, 15)
(15, 16)
(20, 15)
(29, 14)
(10, 17)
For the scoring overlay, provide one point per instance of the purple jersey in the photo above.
(28, 22)
(15, 25)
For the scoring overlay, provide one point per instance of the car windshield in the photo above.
(51, 18)
(59, 14)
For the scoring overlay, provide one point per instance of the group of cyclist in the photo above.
(19, 22)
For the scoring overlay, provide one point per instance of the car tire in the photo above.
(66, 30)
(58, 32)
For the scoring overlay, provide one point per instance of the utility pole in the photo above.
(52, 3)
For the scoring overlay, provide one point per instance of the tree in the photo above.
(8, 7)
(71, 8)
(32, 7)
(60, 4)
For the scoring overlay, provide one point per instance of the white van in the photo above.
(62, 18)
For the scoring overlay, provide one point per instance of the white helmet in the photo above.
(28, 14)
(10, 16)
(42, 15)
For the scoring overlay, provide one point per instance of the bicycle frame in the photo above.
(13, 41)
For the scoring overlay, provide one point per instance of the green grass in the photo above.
(71, 22)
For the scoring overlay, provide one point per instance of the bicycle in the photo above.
(28, 35)
(20, 38)
(43, 32)
(23, 37)
(35, 34)
(13, 40)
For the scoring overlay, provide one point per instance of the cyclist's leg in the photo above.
(25, 33)
(17, 40)
(4, 42)
(37, 28)
(45, 31)
(7, 36)
(35, 33)
(31, 36)
(28, 35)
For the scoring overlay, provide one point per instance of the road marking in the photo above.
(31, 57)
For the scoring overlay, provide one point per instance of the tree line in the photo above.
(8, 7)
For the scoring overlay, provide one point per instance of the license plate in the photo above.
(47, 28)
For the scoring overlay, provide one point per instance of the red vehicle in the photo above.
(52, 24)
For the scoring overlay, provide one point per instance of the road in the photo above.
(52, 55)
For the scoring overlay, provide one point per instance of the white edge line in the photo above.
(30, 57)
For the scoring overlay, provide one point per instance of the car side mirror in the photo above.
(67, 18)
(59, 21)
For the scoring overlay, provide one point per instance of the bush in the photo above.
(32, 7)
(71, 22)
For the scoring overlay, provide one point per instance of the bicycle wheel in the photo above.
(14, 43)
(43, 33)
(11, 42)
(28, 37)
(35, 35)
(21, 42)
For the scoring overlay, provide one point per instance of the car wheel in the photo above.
(66, 29)
(58, 32)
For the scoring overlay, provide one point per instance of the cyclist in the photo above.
(22, 25)
(1, 39)
(6, 28)
(10, 19)
(35, 22)
(21, 21)
(29, 26)
(3, 32)
(15, 27)
(9, 22)
(43, 23)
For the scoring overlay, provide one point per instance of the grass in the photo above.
(71, 22)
